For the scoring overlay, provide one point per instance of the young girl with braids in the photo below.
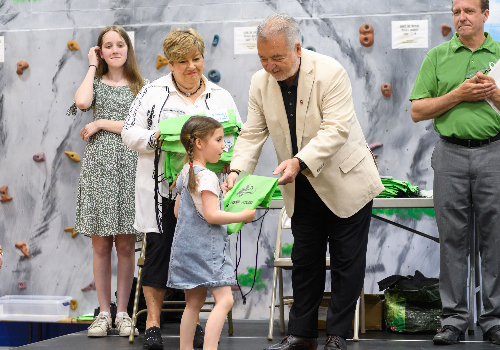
(200, 259)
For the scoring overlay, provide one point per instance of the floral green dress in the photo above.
(105, 199)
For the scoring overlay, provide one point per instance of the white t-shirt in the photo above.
(207, 180)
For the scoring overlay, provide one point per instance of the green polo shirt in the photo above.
(445, 67)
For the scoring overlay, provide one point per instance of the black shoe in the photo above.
(335, 342)
(152, 339)
(447, 336)
(493, 334)
(199, 335)
(296, 343)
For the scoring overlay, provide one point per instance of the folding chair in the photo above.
(280, 264)
(135, 313)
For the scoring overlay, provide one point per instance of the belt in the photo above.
(470, 143)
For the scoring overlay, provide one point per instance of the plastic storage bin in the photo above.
(35, 308)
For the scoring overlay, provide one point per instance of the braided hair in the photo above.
(196, 127)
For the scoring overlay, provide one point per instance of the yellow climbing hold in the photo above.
(73, 45)
(73, 156)
(72, 230)
(161, 61)
(74, 304)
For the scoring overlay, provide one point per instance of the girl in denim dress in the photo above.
(200, 259)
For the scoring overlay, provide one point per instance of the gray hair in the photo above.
(280, 23)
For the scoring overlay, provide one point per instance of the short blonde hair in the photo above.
(179, 42)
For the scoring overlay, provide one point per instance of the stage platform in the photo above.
(252, 335)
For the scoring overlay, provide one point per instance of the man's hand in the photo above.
(290, 169)
(477, 88)
(228, 183)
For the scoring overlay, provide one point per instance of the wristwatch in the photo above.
(303, 165)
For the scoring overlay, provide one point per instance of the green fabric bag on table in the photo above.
(250, 192)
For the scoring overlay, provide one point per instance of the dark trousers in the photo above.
(313, 227)
(158, 247)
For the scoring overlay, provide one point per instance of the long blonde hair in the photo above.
(132, 73)
(196, 127)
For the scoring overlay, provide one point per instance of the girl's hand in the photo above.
(248, 215)
(93, 55)
(89, 130)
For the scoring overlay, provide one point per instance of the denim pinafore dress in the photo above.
(200, 255)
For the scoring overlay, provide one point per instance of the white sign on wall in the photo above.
(2, 48)
(245, 40)
(410, 34)
(131, 35)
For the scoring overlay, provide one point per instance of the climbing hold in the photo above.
(302, 38)
(21, 285)
(214, 75)
(72, 230)
(216, 40)
(386, 90)
(375, 145)
(5, 195)
(74, 304)
(39, 157)
(1, 257)
(21, 65)
(311, 48)
(366, 35)
(73, 156)
(23, 248)
(90, 286)
(73, 45)
(445, 29)
(161, 61)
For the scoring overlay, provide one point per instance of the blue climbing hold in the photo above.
(214, 75)
(302, 38)
(216, 40)
(311, 48)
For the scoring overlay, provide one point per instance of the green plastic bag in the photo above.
(413, 310)
(250, 192)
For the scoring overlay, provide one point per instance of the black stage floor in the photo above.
(252, 335)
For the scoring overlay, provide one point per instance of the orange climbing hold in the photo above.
(21, 65)
(74, 304)
(73, 156)
(5, 195)
(386, 90)
(23, 248)
(366, 35)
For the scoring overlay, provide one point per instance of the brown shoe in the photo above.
(291, 342)
(335, 342)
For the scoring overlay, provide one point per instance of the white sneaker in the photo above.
(123, 323)
(101, 326)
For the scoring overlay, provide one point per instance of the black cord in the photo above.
(238, 259)
(158, 179)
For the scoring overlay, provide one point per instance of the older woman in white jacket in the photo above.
(184, 91)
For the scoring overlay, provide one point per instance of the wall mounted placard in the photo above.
(410, 34)
(131, 35)
(245, 40)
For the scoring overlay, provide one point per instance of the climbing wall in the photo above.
(32, 120)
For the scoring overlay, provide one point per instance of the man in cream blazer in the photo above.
(328, 175)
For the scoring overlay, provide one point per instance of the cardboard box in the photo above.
(373, 312)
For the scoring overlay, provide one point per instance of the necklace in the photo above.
(186, 93)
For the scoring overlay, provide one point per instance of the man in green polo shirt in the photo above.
(451, 88)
